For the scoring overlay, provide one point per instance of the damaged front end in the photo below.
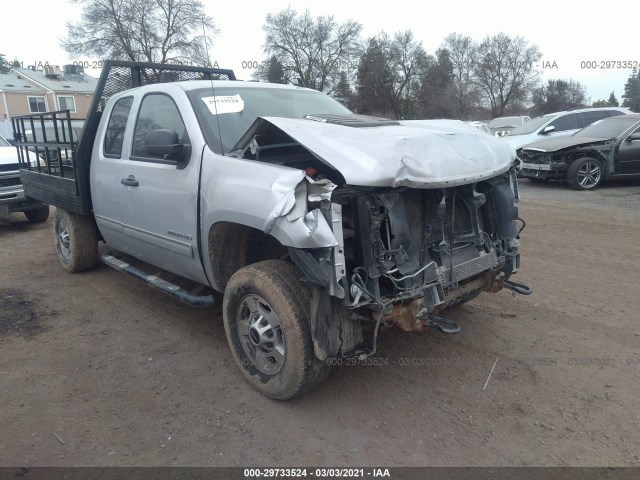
(396, 255)
(404, 255)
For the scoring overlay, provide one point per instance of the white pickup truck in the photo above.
(12, 198)
(316, 224)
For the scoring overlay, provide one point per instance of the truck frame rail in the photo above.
(54, 163)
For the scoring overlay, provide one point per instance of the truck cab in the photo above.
(145, 202)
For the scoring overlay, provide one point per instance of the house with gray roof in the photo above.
(25, 91)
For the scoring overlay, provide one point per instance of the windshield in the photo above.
(607, 128)
(4, 143)
(238, 108)
(505, 122)
(530, 126)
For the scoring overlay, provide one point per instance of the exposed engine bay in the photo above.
(401, 254)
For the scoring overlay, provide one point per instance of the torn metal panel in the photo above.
(269, 197)
(418, 154)
(319, 190)
(286, 194)
(310, 231)
(311, 190)
(299, 199)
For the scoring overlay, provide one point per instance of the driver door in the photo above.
(628, 161)
(159, 195)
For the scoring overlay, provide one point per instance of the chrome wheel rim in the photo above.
(261, 335)
(64, 242)
(589, 174)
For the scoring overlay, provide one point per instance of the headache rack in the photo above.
(55, 155)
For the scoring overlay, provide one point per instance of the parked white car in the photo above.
(501, 126)
(483, 127)
(559, 124)
(12, 198)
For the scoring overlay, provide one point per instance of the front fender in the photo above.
(598, 155)
(271, 198)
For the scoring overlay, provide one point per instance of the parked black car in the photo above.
(606, 148)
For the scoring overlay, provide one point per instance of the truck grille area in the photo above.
(427, 224)
(405, 241)
(467, 269)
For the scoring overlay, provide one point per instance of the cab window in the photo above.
(115, 128)
(157, 111)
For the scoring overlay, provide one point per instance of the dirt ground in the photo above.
(99, 369)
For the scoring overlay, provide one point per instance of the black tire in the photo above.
(585, 174)
(266, 319)
(76, 241)
(37, 215)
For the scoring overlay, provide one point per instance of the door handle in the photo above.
(130, 181)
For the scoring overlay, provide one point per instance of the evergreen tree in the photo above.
(4, 65)
(375, 82)
(632, 92)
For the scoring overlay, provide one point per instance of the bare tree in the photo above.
(559, 95)
(406, 57)
(463, 56)
(315, 51)
(505, 70)
(163, 31)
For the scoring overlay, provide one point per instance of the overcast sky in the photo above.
(567, 35)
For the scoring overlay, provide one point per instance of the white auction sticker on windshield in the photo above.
(224, 104)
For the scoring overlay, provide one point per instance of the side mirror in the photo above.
(634, 136)
(547, 129)
(164, 143)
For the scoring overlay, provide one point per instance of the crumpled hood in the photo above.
(417, 153)
(556, 144)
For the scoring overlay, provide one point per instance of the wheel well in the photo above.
(589, 154)
(233, 246)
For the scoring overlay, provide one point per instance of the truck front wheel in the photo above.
(266, 319)
(76, 241)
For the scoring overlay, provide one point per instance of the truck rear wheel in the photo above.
(76, 241)
(266, 319)
(37, 215)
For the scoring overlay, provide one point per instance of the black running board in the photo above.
(170, 289)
